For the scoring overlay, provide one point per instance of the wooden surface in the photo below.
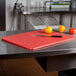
(22, 67)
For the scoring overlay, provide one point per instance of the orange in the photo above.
(48, 29)
(61, 28)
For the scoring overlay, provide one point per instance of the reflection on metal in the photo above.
(40, 22)
(34, 6)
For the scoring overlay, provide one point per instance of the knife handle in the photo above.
(59, 36)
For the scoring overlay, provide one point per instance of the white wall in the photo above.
(9, 9)
(74, 20)
(66, 20)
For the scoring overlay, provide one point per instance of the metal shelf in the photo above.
(55, 1)
(63, 12)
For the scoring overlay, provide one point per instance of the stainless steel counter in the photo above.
(7, 49)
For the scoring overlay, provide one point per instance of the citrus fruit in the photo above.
(48, 29)
(72, 31)
(61, 28)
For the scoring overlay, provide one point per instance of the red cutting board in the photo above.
(27, 41)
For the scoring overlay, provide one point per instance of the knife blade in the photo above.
(59, 36)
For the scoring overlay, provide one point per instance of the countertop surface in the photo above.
(11, 51)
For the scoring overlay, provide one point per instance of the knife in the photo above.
(59, 36)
